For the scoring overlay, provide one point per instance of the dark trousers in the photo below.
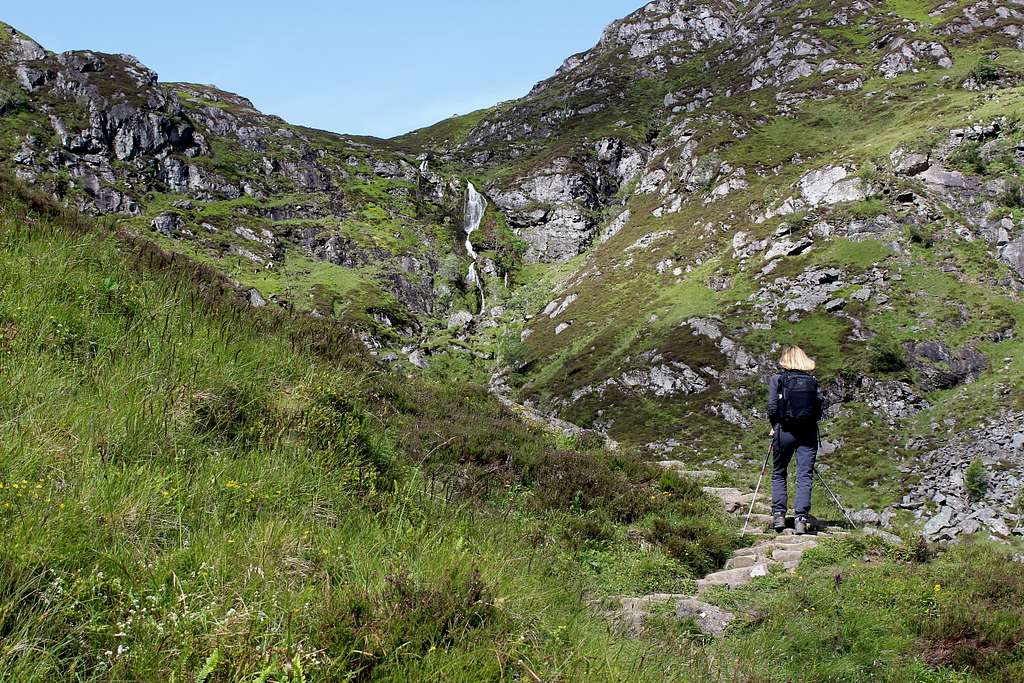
(805, 444)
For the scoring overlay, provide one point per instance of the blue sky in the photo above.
(376, 68)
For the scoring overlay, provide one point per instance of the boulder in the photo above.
(788, 247)
(1013, 255)
(908, 163)
(831, 185)
(460, 320)
(711, 620)
(168, 225)
(255, 299)
(867, 516)
(939, 522)
(941, 368)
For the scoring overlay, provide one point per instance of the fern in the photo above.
(208, 666)
(266, 673)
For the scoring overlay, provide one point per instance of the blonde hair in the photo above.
(794, 358)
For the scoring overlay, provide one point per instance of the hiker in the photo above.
(795, 406)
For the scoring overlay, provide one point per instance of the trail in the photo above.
(771, 551)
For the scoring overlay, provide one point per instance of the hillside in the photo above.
(196, 491)
(286, 404)
(712, 182)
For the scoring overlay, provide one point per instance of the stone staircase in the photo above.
(783, 550)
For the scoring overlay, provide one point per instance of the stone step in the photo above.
(632, 613)
(733, 578)
(802, 547)
(710, 619)
(760, 519)
(647, 601)
(743, 561)
(682, 470)
(732, 499)
(754, 550)
(787, 556)
(788, 539)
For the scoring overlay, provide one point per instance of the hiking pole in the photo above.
(835, 499)
(764, 468)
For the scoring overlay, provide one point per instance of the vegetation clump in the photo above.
(976, 479)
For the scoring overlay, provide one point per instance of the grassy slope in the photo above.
(190, 487)
(183, 477)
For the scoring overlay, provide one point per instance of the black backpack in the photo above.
(799, 401)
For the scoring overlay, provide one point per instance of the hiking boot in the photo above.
(779, 522)
(802, 525)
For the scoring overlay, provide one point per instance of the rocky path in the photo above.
(783, 551)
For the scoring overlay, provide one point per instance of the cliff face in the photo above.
(709, 182)
(323, 222)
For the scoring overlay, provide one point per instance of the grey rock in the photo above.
(939, 522)
(1013, 255)
(908, 163)
(831, 185)
(460, 320)
(866, 516)
(939, 177)
(419, 359)
(788, 247)
(255, 299)
(711, 620)
(668, 379)
(168, 225)
(941, 368)
(835, 305)
(886, 536)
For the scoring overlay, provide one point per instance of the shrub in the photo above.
(923, 235)
(868, 209)
(985, 71)
(11, 99)
(581, 531)
(968, 157)
(361, 632)
(885, 355)
(336, 425)
(694, 542)
(1013, 196)
(976, 480)
(231, 414)
(567, 480)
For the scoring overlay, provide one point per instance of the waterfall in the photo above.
(476, 205)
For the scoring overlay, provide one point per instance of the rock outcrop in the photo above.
(943, 498)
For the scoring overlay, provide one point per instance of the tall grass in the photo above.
(192, 490)
(195, 491)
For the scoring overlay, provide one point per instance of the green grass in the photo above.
(897, 615)
(189, 485)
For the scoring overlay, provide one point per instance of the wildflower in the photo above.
(938, 588)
